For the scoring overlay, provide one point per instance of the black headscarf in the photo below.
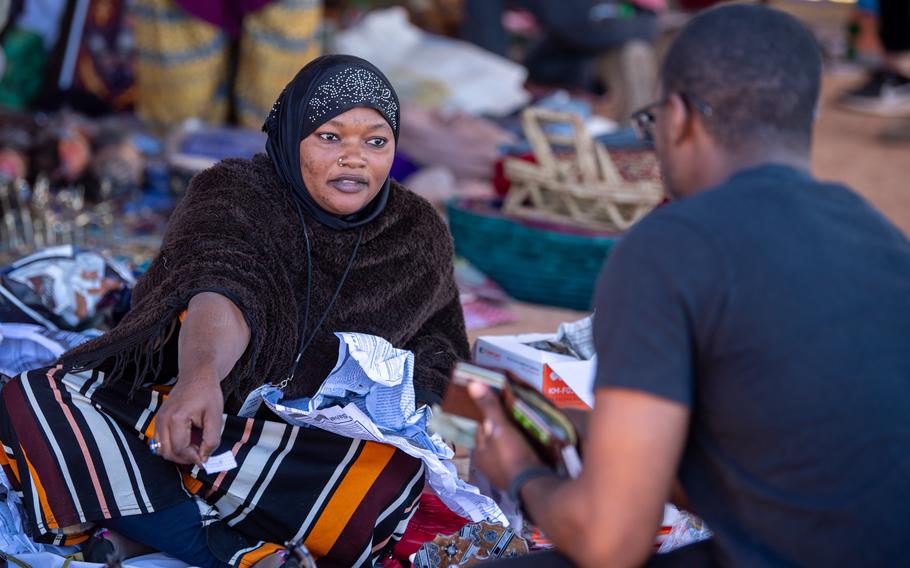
(326, 87)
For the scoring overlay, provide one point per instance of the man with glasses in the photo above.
(752, 338)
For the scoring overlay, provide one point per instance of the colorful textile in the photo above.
(181, 65)
(182, 61)
(485, 304)
(104, 65)
(25, 60)
(24, 346)
(78, 454)
(226, 14)
(276, 42)
(472, 544)
(65, 288)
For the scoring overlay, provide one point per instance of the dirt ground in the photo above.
(846, 150)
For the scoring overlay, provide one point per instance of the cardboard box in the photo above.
(565, 380)
(552, 373)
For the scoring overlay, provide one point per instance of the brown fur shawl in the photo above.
(236, 232)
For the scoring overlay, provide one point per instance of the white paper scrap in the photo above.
(219, 463)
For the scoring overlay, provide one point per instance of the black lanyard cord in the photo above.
(306, 341)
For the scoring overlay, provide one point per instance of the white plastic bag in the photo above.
(686, 529)
(436, 71)
(13, 539)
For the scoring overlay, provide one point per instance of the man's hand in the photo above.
(195, 403)
(501, 451)
(580, 418)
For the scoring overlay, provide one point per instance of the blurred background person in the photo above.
(886, 91)
(584, 43)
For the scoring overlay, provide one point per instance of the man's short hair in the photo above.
(759, 69)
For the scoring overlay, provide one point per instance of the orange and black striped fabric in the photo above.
(79, 454)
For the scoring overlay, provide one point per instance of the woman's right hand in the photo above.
(213, 336)
(195, 404)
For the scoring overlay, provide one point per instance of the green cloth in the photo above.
(25, 61)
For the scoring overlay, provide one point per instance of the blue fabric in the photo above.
(776, 308)
(24, 347)
(176, 530)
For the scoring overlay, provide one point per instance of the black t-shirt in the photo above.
(777, 308)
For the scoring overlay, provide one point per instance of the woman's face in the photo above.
(345, 162)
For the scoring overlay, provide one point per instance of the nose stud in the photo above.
(341, 162)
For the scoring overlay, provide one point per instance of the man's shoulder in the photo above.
(754, 199)
(671, 226)
(740, 192)
(671, 247)
(767, 186)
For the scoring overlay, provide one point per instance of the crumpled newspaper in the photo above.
(369, 395)
(578, 336)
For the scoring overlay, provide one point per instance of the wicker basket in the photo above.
(581, 186)
(532, 264)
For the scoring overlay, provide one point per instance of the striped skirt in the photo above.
(78, 454)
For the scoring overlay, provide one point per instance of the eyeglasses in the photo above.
(643, 119)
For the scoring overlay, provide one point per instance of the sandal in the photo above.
(100, 550)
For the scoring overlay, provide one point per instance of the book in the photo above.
(547, 428)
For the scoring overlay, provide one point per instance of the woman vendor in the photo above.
(262, 262)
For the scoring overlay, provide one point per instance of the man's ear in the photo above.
(679, 121)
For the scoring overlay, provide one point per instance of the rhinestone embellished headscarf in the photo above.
(326, 87)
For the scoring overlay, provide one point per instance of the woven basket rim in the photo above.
(489, 210)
